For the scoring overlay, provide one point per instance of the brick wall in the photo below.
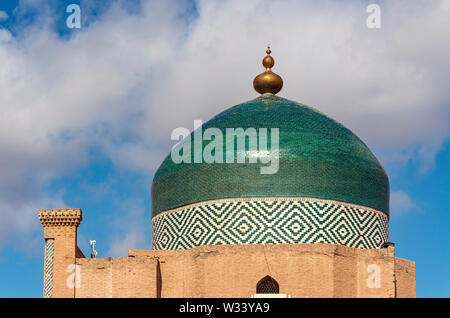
(405, 272)
(117, 277)
(301, 270)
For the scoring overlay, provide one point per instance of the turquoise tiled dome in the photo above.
(318, 158)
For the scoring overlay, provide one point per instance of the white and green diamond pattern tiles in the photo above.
(269, 221)
(48, 267)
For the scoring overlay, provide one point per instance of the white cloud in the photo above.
(3, 15)
(121, 84)
(401, 202)
(5, 35)
(128, 231)
(120, 248)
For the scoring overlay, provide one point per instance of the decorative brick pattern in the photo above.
(48, 267)
(269, 221)
(60, 222)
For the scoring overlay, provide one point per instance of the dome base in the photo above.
(269, 221)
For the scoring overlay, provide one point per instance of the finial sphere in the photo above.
(268, 81)
(268, 62)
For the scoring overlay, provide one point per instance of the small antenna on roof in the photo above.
(93, 251)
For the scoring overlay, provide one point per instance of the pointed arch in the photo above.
(267, 285)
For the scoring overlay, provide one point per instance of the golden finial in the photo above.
(268, 81)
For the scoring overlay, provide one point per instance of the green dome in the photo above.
(318, 158)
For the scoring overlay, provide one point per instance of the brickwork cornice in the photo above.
(54, 220)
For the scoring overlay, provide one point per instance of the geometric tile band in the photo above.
(269, 221)
(48, 267)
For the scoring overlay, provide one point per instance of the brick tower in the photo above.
(61, 250)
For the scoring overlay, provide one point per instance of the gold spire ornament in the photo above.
(268, 81)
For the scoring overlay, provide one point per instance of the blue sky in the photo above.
(86, 114)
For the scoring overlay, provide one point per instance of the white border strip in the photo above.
(247, 199)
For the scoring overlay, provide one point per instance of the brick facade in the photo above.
(301, 270)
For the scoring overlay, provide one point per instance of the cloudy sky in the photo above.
(86, 114)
